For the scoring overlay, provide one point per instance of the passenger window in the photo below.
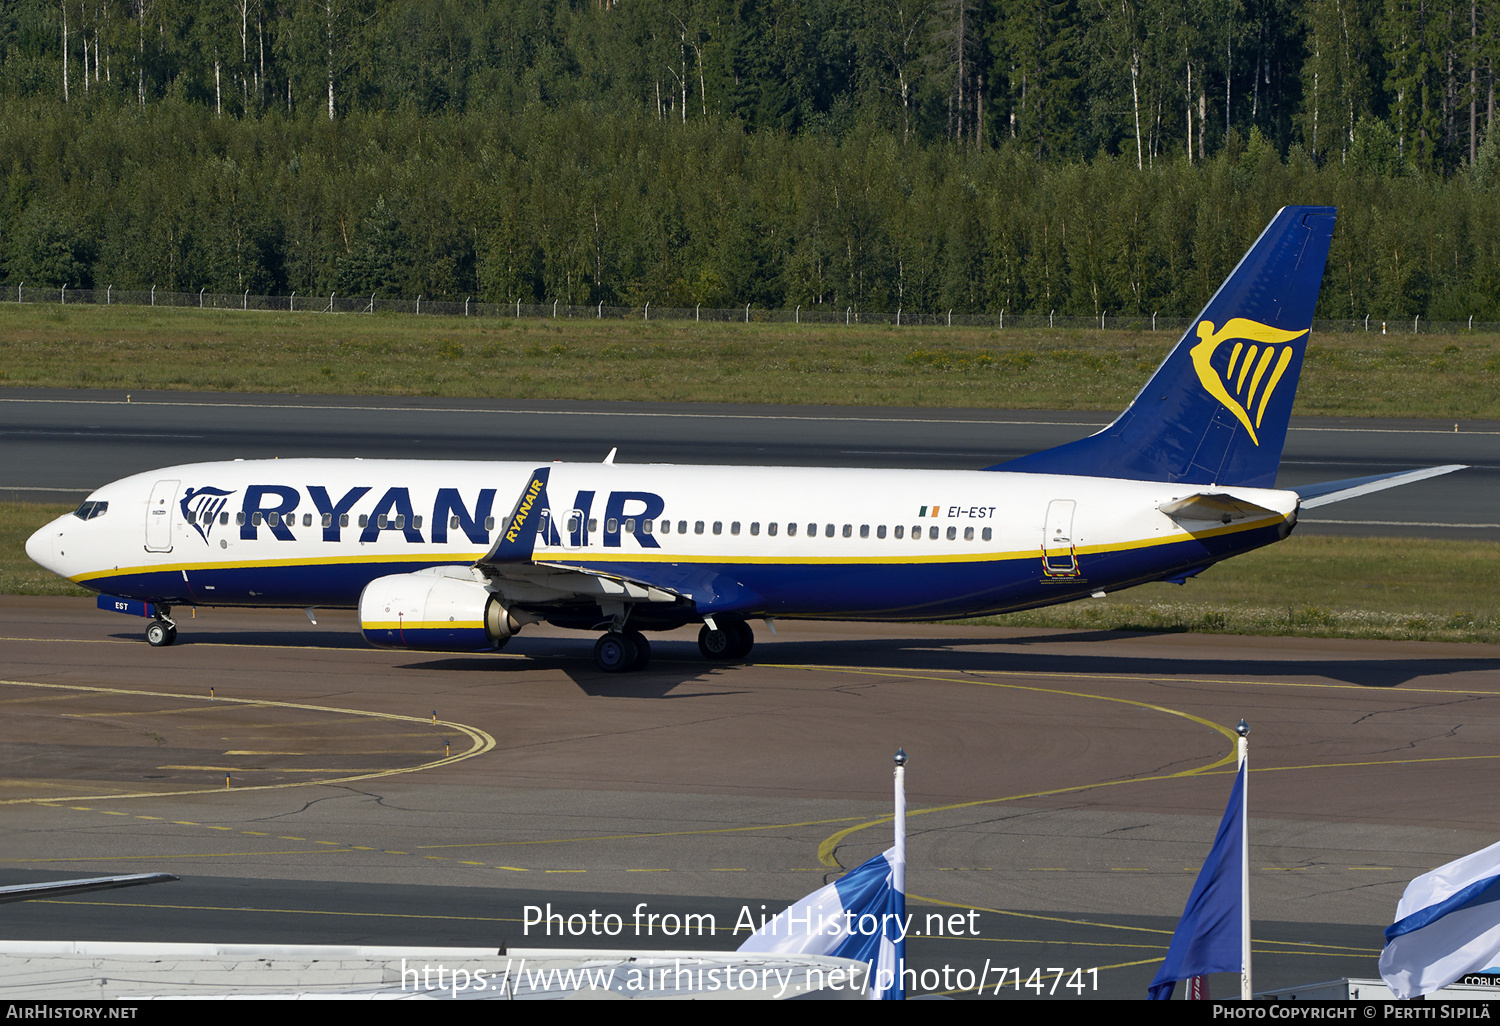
(771, 530)
(880, 531)
(327, 519)
(734, 528)
(828, 531)
(849, 531)
(307, 520)
(791, 530)
(189, 517)
(647, 525)
(986, 534)
(682, 527)
(900, 531)
(611, 526)
(489, 523)
(718, 527)
(952, 534)
(968, 534)
(239, 519)
(343, 520)
(916, 532)
(698, 527)
(630, 526)
(812, 530)
(453, 523)
(593, 525)
(273, 519)
(224, 518)
(754, 528)
(864, 530)
(572, 524)
(255, 519)
(364, 520)
(666, 527)
(380, 521)
(932, 532)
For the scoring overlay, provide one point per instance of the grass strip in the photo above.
(1360, 374)
(1309, 586)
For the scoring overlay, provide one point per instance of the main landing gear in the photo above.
(161, 631)
(732, 640)
(622, 651)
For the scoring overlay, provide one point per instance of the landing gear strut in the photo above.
(732, 640)
(161, 631)
(622, 651)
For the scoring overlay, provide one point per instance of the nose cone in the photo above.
(40, 548)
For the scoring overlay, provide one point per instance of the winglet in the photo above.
(518, 537)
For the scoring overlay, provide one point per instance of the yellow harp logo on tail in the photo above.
(1260, 356)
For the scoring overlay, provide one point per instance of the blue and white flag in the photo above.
(862, 915)
(1447, 924)
(1208, 937)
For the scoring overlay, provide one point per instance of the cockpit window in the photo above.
(91, 509)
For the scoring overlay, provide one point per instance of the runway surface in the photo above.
(1064, 787)
(60, 444)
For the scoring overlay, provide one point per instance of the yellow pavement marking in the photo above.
(479, 742)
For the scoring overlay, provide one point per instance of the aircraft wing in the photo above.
(1322, 494)
(58, 888)
(1218, 507)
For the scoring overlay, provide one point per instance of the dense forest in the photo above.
(978, 155)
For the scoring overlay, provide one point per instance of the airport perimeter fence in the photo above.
(819, 314)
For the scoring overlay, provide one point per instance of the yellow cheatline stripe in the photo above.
(479, 742)
(422, 625)
(570, 558)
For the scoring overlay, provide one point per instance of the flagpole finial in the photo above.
(900, 757)
(1243, 729)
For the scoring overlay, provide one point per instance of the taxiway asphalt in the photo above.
(1064, 787)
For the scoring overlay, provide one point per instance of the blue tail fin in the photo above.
(1216, 411)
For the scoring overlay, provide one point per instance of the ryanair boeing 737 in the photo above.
(459, 556)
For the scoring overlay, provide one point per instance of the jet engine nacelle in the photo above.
(435, 611)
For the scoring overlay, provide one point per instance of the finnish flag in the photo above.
(1447, 925)
(862, 915)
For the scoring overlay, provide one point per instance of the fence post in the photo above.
(372, 302)
(111, 289)
(554, 309)
(648, 309)
(846, 315)
(1049, 317)
(23, 285)
(1153, 320)
(601, 309)
(950, 317)
(291, 306)
(747, 313)
(797, 317)
(1367, 322)
(200, 296)
(64, 299)
(466, 305)
(330, 301)
(696, 311)
(245, 303)
(153, 295)
(898, 317)
(1414, 321)
(1002, 318)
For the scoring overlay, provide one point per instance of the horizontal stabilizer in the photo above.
(1322, 494)
(1217, 507)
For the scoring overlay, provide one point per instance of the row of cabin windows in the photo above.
(829, 530)
(398, 522)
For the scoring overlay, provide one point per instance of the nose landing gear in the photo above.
(161, 631)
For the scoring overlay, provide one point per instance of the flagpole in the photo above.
(899, 871)
(1244, 753)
